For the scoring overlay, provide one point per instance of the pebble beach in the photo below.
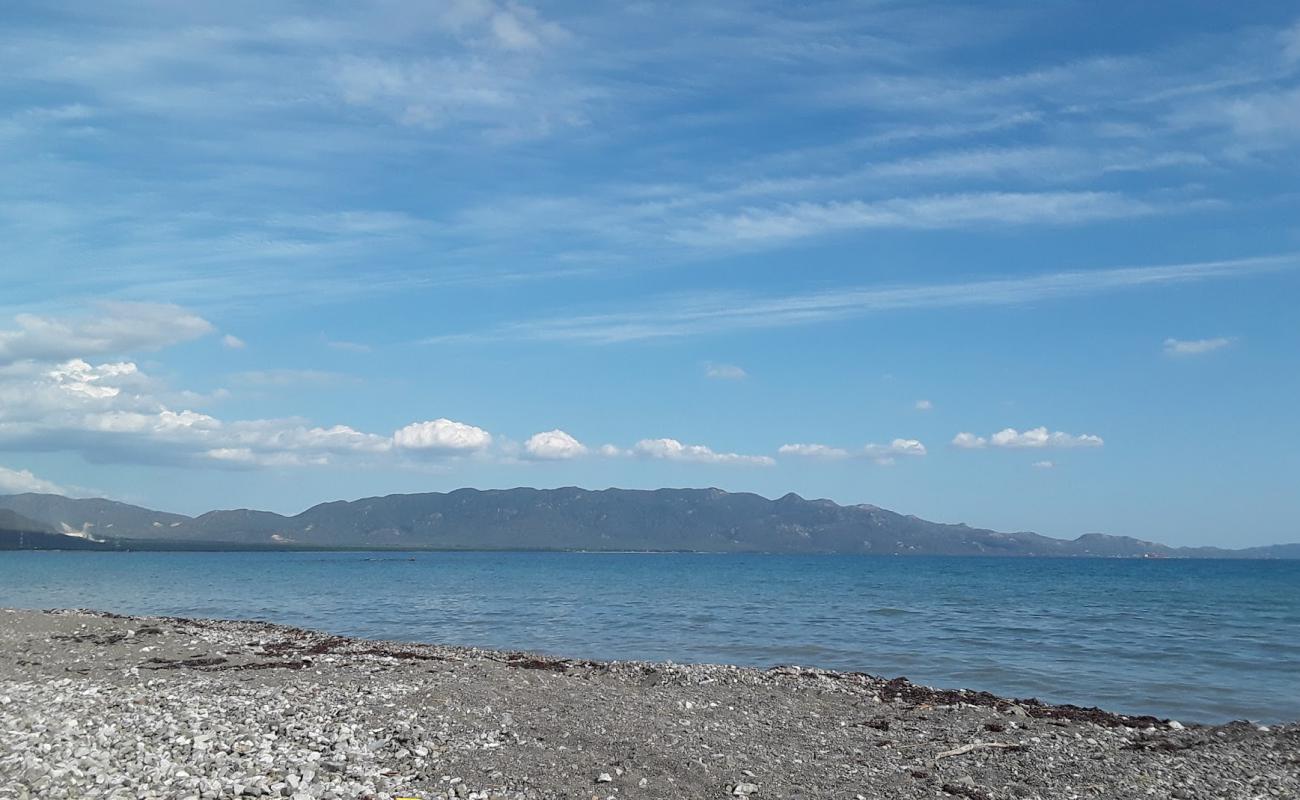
(96, 705)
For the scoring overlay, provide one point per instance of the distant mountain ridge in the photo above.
(706, 520)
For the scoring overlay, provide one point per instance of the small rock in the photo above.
(603, 777)
(1175, 725)
(744, 789)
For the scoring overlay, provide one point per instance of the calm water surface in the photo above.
(1194, 640)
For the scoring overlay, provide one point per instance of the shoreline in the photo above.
(520, 725)
(202, 547)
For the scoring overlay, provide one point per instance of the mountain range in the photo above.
(703, 520)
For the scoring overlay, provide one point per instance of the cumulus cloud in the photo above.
(673, 450)
(19, 481)
(233, 342)
(1044, 465)
(1195, 347)
(113, 412)
(442, 435)
(79, 377)
(1034, 438)
(883, 454)
(553, 445)
(725, 372)
(114, 328)
(924, 405)
(812, 451)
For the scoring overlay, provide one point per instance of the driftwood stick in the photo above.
(966, 748)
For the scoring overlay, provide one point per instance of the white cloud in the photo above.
(924, 405)
(1034, 438)
(79, 377)
(113, 412)
(812, 451)
(244, 456)
(673, 450)
(724, 372)
(886, 453)
(1195, 347)
(233, 342)
(442, 435)
(115, 328)
(19, 481)
(555, 444)
(883, 454)
(1044, 465)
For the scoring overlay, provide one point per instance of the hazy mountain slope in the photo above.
(11, 520)
(612, 519)
(21, 533)
(97, 517)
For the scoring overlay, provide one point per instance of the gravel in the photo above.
(100, 706)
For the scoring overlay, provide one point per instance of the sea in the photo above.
(1192, 640)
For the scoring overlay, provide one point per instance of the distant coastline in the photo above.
(556, 520)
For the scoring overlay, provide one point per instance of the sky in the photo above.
(1029, 266)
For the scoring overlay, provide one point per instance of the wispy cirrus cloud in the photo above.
(458, 91)
(728, 311)
(806, 219)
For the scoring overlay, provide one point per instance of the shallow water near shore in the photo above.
(1204, 641)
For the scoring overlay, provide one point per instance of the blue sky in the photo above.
(1028, 266)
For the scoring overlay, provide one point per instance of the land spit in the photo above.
(95, 705)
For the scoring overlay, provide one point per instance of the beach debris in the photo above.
(964, 787)
(967, 748)
(1175, 725)
(604, 777)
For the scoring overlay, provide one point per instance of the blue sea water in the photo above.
(1193, 640)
